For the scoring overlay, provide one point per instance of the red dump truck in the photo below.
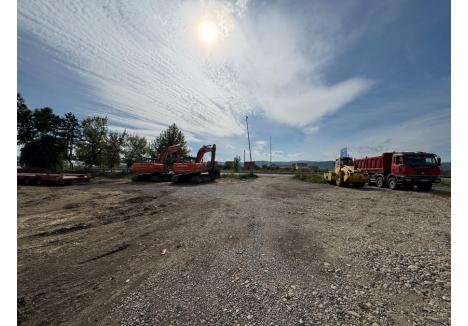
(402, 169)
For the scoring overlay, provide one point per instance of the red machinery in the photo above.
(198, 171)
(156, 171)
(404, 169)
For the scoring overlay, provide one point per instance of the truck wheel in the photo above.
(426, 186)
(392, 183)
(379, 181)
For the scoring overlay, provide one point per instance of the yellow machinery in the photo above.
(346, 174)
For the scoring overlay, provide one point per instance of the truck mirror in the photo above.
(439, 161)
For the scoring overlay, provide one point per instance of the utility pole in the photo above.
(248, 137)
(270, 151)
(244, 158)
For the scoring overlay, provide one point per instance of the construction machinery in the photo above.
(157, 171)
(402, 170)
(197, 171)
(346, 174)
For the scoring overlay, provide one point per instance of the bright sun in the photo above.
(208, 32)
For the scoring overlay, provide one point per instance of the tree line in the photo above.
(52, 141)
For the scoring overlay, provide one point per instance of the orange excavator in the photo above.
(156, 171)
(198, 171)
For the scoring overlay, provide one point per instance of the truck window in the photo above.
(420, 160)
(396, 160)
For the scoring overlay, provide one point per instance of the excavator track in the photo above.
(193, 178)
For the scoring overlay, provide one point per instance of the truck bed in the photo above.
(375, 164)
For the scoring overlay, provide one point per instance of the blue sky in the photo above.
(315, 75)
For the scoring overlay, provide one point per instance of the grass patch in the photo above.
(446, 183)
(240, 176)
(309, 177)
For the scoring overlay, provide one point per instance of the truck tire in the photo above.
(425, 186)
(340, 179)
(380, 181)
(392, 183)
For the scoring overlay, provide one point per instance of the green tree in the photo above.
(114, 148)
(38, 131)
(169, 137)
(26, 131)
(46, 122)
(70, 132)
(136, 148)
(236, 163)
(43, 152)
(93, 142)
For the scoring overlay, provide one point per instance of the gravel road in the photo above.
(269, 251)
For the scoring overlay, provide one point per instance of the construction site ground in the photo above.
(268, 251)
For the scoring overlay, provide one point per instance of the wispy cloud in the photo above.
(429, 133)
(144, 65)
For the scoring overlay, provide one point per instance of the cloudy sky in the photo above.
(314, 75)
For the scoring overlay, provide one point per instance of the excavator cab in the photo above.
(155, 169)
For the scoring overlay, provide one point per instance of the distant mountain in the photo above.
(320, 164)
(325, 165)
(446, 166)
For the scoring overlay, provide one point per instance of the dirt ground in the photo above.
(269, 251)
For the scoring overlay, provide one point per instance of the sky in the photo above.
(316, 76)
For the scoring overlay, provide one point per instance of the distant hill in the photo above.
(446, 166)
(320, 164)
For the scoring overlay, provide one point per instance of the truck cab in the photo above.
(414, 168)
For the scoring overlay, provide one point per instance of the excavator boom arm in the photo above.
(206, 149)
(171, 150)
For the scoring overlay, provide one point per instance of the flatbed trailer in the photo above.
(51, 178)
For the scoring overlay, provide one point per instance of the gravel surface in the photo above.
(269, 251)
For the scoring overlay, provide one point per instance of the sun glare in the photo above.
(208, 32)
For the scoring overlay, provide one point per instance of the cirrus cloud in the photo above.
(144, 67)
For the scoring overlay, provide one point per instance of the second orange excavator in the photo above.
(157, 171)
(197, 171)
